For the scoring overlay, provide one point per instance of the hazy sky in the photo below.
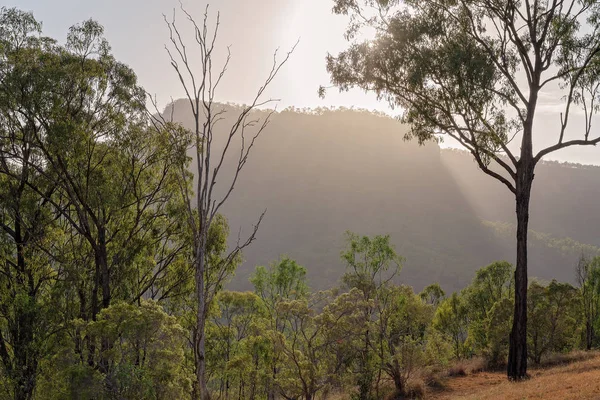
(254, 29)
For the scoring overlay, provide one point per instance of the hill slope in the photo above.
(321, 173)
(577, 380)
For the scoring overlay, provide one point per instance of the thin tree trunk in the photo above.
(271, 394)
(366, 379)
(398, 381)
(102, 260)
(24, 368)
(589, 333)
(25, 354)
(517, 356)
(200, 345)
(254, 377)
(25, 357)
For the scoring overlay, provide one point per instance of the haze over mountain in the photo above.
(321, 172)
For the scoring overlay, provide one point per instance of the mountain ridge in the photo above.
(319, 173)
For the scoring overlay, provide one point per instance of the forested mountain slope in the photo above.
(319, 173)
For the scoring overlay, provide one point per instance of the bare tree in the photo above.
(200, 83)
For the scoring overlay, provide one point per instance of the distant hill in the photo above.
(319, 173)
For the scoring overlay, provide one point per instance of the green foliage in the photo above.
(588, 279)
(371, 262)
(147, 359)
(285, 279)
(438, 349)
(452, 320)
(497, 329)
(552, 322)
(401, 332)
(87, 185)
(313, 343)
(491, 284)
(475, 321)
(433, 294)
(237, 350)
(367, 261)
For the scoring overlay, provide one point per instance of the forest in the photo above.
(123, 223)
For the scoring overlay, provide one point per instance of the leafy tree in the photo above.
(438, 350)
(553, 320)
(588, 279)
(236, 321)
(310, 343)
(473, 71)
(491, 285)
(87, 85)
(371, 264)
(106, 174)
(464, 318)
(146, 360)
(284, 280)
(27, 226)
(452, 320)
(433, 294)
(77, 146)
(402, 323)
(497, 325)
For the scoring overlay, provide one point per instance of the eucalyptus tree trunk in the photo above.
(517, 356)
(589, 334)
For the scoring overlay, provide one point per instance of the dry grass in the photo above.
(567, 358)
(561, 376)
(466, 367)
(336, 396)
(578, 380)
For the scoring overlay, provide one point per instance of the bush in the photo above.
(434, 377)
(457, 370)
(146, 358)
(469, 366)
(498, 327)
(415, 388)
(567, 358)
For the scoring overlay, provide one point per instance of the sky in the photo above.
(254, 29)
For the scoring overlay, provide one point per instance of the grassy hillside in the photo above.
(577, 380)
(319, 173)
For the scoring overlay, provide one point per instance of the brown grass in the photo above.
(466, 367)
(580, 379)
(567, 358)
